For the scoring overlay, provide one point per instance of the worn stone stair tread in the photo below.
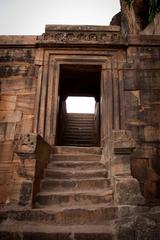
(80, 131)
(75, 170)
(57, 184)
(79, 136)
(67, 173)
(77, 150)
(85, 192)
(80, 117)
(80, 124)
(79, 144)
(80, 114)
(92, 214)
(91, 207)
(16, 226)
(73, 157)
(76, 164)
(71, 198)
(51, 210)
(79, 128)
(76, 180)
(78, 139)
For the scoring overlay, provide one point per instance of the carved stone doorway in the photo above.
(79, 73)
(79, 129)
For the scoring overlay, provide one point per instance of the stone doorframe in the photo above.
(111, 101)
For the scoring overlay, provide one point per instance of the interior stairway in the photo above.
(80, 130)
(75, 201)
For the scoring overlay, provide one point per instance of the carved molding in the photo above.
(25, 143)
(81, 37)
(123, 142)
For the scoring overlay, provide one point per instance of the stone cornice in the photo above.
(17, 40)
(65, 34)
(79, 28)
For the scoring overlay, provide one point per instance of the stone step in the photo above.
(49, 184)
(83, 115)
(78, 174)
(75, 157)
(85, 119)
(79, 165)
(80, 133)
(76, 141)
(79, 123)
(79, 119)
(72, 144)
(71, 118)
(80, 136)
(77, 150)
(74, 198)
(94, 215)
(80, 128)
(79, 141)
(38, 231)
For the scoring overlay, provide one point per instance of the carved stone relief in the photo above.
(74, 37)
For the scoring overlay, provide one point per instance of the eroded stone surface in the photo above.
(130, 107)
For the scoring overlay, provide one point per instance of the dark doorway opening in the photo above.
(83, 128)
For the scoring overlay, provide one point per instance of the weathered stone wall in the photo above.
(133, 77)
(17, 97)
(31, 155)
(142, 98)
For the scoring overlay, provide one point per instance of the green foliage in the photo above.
(153, 5)
(128, 2)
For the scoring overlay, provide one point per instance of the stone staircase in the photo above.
(75, 201)
(74, 179)
(80, 130)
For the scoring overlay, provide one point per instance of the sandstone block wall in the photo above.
(17, 97)
(137, 97)
(142, 98)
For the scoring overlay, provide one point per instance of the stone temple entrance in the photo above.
(79, 129)
(67, 176)
(73, 176)
(80, 69)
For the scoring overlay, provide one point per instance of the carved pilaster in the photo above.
(25, 144)
(31, 154)
(126, 188)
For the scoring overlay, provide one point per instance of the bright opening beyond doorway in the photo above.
(80, 104)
